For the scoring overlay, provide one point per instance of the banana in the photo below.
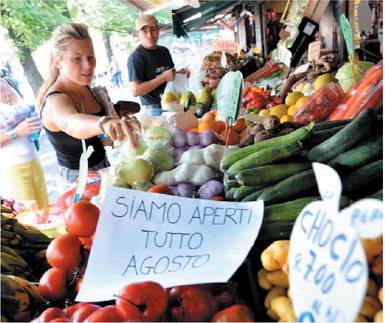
(15, 300)
(13, 260)
(30, 234)
(10, 250)
(32, 290)
(7, 234)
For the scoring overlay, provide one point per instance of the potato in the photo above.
(372, 289)
(275, 255)
(278, 278)
(370, 306)
(262, 279)
(379, 317)
(283, 307)
(274, 292)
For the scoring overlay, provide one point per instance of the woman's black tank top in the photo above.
(68, 149)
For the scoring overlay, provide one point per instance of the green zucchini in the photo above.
(265, 157)
(270, 174)
(357, 130)
(234, 156)
(361, 178)
(275, 231)
(252, 196)
(229, 194)
(329, 124)
(360, 155)
(321, 135)
(289, 188)
(243, 191)
(288, 211)
(379, 195)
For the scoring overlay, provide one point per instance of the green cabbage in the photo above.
(157, 134)
(160, 157)
(345, 74)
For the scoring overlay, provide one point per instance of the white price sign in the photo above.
(327, 265)
(326, 259)
(172, 240)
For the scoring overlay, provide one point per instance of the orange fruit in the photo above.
(210, 115)
(221, 125)
(230, 138)
(239, 125)
(207, 124)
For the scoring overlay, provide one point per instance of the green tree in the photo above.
(29, 25)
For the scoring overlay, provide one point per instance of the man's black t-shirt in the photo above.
(144, 65)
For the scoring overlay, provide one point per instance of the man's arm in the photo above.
(139, 88)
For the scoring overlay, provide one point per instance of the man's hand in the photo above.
(168, 75)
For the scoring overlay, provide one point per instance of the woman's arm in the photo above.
(22, 129)
(61, 114)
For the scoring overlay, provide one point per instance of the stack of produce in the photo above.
(22, 248)
(273, 277)
(214, 71)
(278, 170)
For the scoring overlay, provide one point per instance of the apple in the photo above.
(234, 313)
(144, 301)
(191, 303)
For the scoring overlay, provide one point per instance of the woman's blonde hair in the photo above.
(60, 38)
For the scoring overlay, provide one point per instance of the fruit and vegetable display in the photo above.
(330, 114)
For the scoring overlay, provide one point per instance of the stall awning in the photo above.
(149, 6)
(187, 18)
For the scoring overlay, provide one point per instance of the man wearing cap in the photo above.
(150, 66)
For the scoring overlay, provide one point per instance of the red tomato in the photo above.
(84, 312)
(70, 310)
(50, 314)
(217, 198)
(160, 188)
(64, 252)
(105, 314)
(234, 313)
(87, 242)
(67, 199)
(81, 218)
(52, 284)
(60, 319)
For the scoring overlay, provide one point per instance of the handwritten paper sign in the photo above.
(327, 266)
(326, 259)
(168, 239)
(229, 96)
(367, 218)
(329, 184)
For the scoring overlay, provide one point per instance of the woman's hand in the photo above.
(122, 129)
(28, 126)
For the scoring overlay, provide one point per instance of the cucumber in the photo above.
(357, 130)
(234, 156)
(265, 157)
(379, 195)
(252, 196)
(243, 191)
(270, 174)
(321, 135)
(361, 178)
(360, 155)
(289, 187)
(229, 195)
(276, 231)
(329, 124)
(288, 211)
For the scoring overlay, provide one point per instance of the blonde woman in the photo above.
(69, 110)
(21, 172)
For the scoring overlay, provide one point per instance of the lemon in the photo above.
(292, 110)
(286, 118)
(264, 113)
(301, 101)
(323, 80)
(292, 98)
(279, 110)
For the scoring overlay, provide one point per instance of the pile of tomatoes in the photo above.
(258, 98)
(68, 253)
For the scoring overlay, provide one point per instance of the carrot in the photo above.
(359, 95)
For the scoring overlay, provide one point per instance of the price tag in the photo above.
(367, 218)
(284, 55)
(329, 185)
(228, 96)
(314, 50)
(328, 271)
(348, 34)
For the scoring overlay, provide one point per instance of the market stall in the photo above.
(249, 199)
